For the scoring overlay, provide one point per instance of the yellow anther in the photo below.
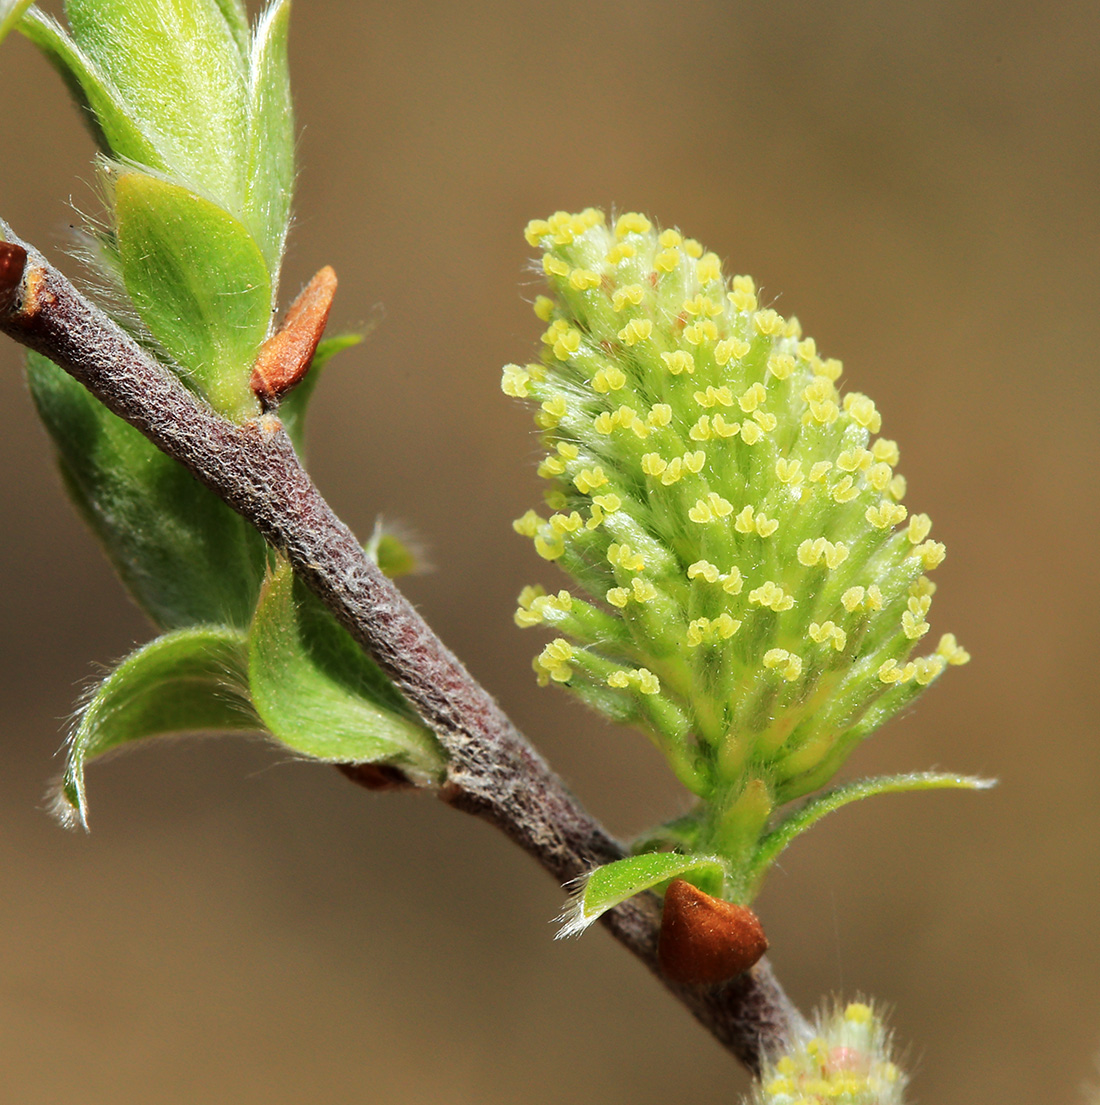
(824, 412)
(588, 479)
(619, 679)
(951, 650)
(653, 464)
(781, 365)
(766, 526)
(620, 252)
(920, 526)
(874, 597)
(704, 569)
(835, 555)
(673, 473)
(788, 471)
(528, 525)
(714, 397)
(744, 284)
(820, 470)
(592, 216)
(554, 266)
(886, 514)
(828, 632)
(743, 523)
(549, 548)
(771, 595)
(555, 500)
(931, 553)
(693, 462)
(919, 604)
(766, 421)
(702, 305)
(701, 430)
(623, 556)
(922, 586)
(699, 332)
(710, 508)
(844, 491)
(555, 330)
(832, 368)
(793, 328)
(666, 260)
(618, 596)
(752, 398)
(544, 308)
(567, 345)
(879, 476)
(708, 267)
(891, 672)
(693, 249)
(852, 599)
(632, 223)
(608, 379)
(553, 661)
(697, 631)
(863, 411)
(528, 595)
(669, 238)
(644, 591)
(742, 301)
(810, 552)
(551, 467)
(927, 668)
(638, 329)
(886, 451)
(729, 348)
(858, 1013)
(629, 293)
(514, 381)
(733, 582)
(751, 433)
(807, 350)
(603, 423)
(567, 450)
(852, 459)
(582, 279)
(609, 502)
(595, 517)
(648, 683)
(725, 625)
(721, 428)
(785, 663)
(535, 231)
(660, 415)
(768, 322)
(679, 361)
(562, 524)
(912, 626)
(896, 488)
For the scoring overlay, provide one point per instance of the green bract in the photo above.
(750, 587)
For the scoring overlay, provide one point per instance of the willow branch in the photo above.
(492, 770)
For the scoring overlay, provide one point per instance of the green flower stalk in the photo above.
(750, 588)
(846, 1060)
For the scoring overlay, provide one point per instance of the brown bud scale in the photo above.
(284, 358)
(705, 940)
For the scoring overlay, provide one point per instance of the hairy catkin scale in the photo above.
(750, 588)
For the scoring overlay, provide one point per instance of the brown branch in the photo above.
(492, 771)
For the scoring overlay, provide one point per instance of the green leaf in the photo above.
(199, 282)
(812, 811)
(11, 11)
(110, 119)
(270, 172)
(318, 692)
(177, 66)
(190, 680)
(292, 410)
(607, 886)
(236, 19)
(185, 556)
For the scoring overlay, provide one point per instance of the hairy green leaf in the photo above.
(270, 173)
(236, 19)
(178, 67)
(189, 680)
(11, 11)
(319, 693)
(607, 886)
(816, 808)
(199, 282)
(292, 410)
(185, 557)
(111, 120)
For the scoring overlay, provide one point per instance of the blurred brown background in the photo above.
(918, 182)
